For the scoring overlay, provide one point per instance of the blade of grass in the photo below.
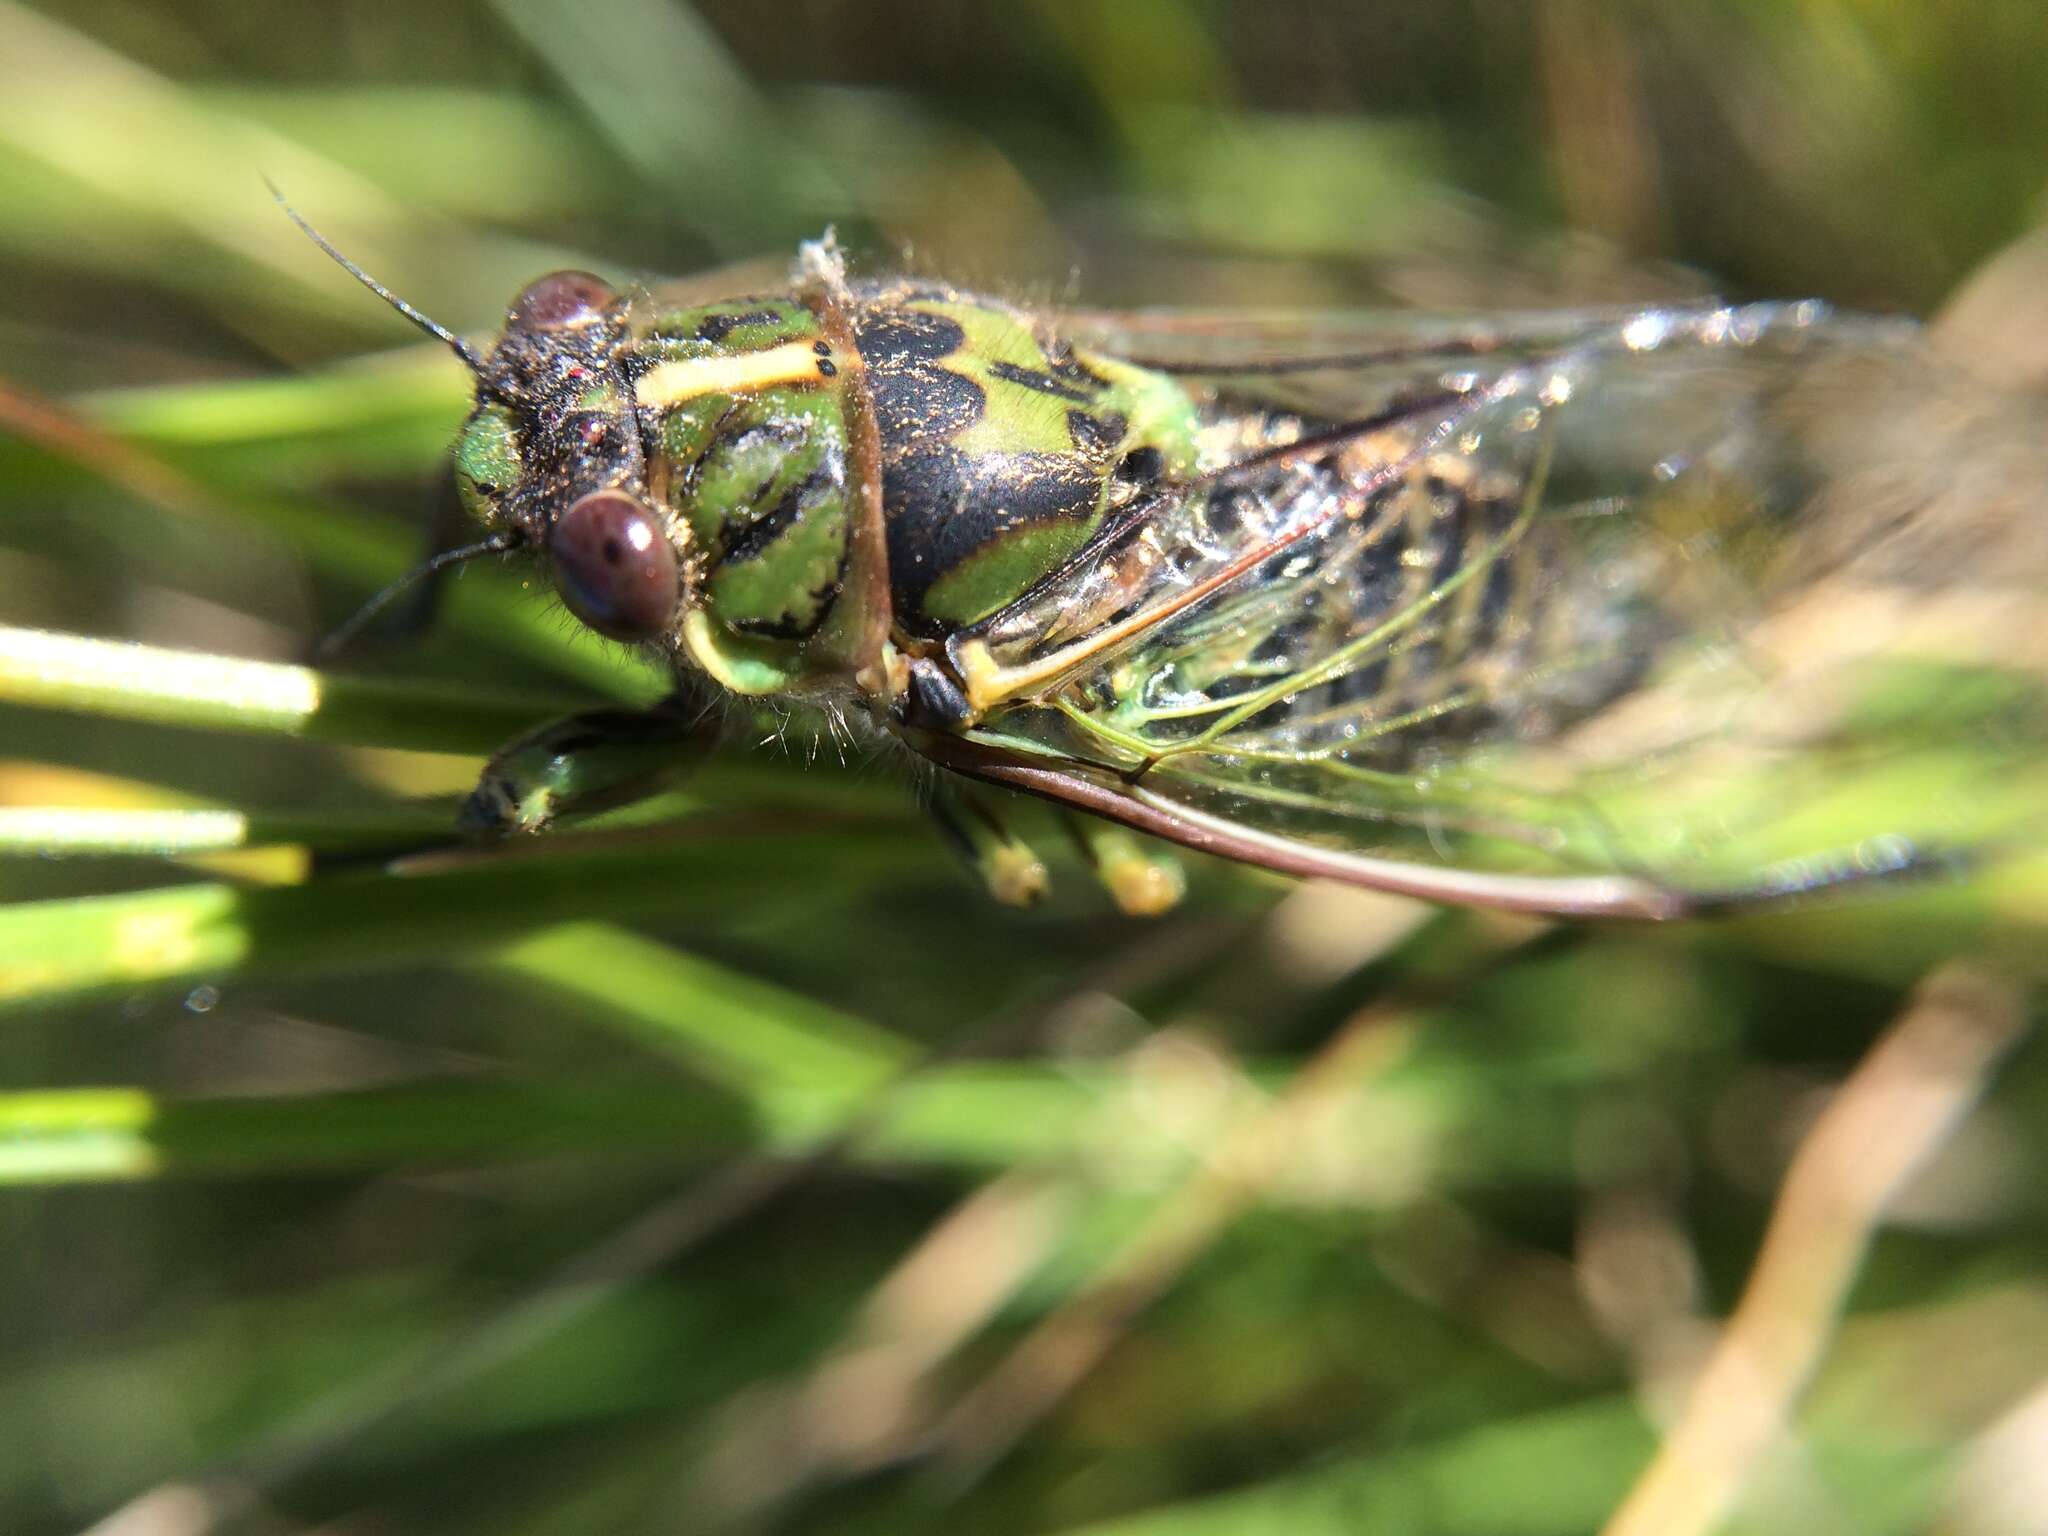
(99, 1134)
(431, 911)
(1554, 1471)
(1905, 1099)
(747, 1034)
(487, 606)
(978, 1117)
(389, 413)
(678, 107)
(188, 688)
(63, 831)
(200, 183)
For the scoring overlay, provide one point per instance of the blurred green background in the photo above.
(763, 1177)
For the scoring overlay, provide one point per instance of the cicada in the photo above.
(1587, 613)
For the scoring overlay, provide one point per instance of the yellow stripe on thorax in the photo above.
(793, 362)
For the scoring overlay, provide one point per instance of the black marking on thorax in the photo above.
(941, 505)
(1040, 382)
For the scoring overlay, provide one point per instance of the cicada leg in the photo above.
(1142, 878)
(591, 761)
(1001, 860)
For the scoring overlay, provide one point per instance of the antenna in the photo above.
(434, 328)
(497, 544)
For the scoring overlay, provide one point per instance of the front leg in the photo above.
(590, 761)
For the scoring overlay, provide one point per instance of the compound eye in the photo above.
(561, 301)
(614, 566)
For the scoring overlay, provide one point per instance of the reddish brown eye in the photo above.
(614, 566)
(561, 301)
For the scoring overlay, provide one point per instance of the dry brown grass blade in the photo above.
(1244, 1161)
(1899, 1106)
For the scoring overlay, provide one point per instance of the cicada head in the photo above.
(551, 456)
(684, 472)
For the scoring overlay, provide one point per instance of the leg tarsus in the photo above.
(1004, 863)
(1140, 876)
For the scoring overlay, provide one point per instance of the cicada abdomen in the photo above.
(1535, 621)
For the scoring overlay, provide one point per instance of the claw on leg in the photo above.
(1140, 876)
(1013, 874)
(580, 763)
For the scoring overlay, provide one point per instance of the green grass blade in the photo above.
(1563, 1471)
(436, 909)
(489, 606)
(141, 682)
(99, 1134)
(62, 832)
(747, 1034)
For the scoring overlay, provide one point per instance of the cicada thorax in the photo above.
(1003, 449)
(756, 437)
(892, 458)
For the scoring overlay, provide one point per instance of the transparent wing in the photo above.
(1334, 365)
(1724, 601)
(755, 275)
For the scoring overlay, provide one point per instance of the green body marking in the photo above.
(1002, 448)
